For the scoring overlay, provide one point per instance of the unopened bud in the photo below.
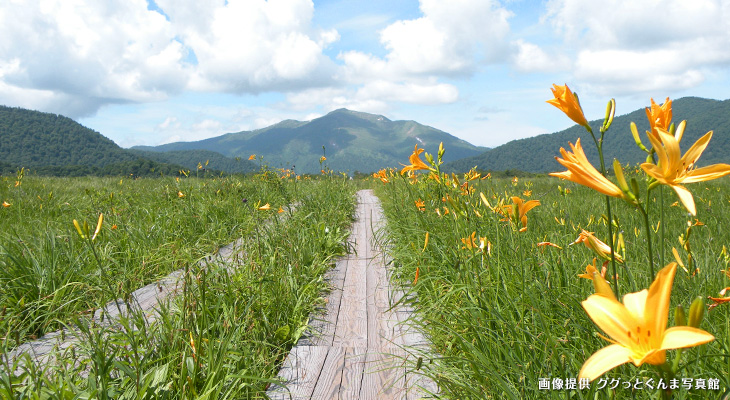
(610, 111)
(637, 139)
(679, 317)
(696, 312)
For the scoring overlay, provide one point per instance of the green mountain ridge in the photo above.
(353, 141)
(52, 144)
(537, 154)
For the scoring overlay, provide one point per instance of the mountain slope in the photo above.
(52, 144)
(33, 139)
(191, 158)
(537, 154)
(353, 141)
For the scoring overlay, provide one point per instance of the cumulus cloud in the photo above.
(253, 46)
(74, 56)
(449, 40)
(528, 57)
(71, 57)
(631, 47)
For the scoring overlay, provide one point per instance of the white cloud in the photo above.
(529, 57)
(641, 46)
(74, 56)
(253, 46)
(451, 37)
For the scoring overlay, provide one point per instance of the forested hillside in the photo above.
(537, 154)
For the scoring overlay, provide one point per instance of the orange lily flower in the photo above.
(567, 102)
(581, 171)
(595, 244)
(416, 162)
(265, 207)
(6, 204)
(659, 116)
(673, 170)
(421, 205)
(252, 157)
(517, 211)
(637, 327)
(591, 270)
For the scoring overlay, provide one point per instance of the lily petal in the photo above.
(694, 152)
(685, 196)
(657, 301)
(604, 360)
(612, 317)
(636, 303)
(680, 337)
(707, 173)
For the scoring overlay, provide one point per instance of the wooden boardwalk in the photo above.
(359, 347)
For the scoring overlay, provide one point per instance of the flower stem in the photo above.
(599, 146)
(647, 227)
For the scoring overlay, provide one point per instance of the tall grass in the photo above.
(503, 317)
(225, 335)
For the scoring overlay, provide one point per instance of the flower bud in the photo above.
(610, 111)
(679, 317)
(696, 312)
(637, 139)
(79, 230)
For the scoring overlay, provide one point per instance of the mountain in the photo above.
(191, 158)
(52, 144)
(353, 141)
(537, 154)
(33, 139)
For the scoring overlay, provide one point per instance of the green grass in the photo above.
(223, 337)
(500, 321)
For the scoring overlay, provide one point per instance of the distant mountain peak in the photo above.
(359, 114)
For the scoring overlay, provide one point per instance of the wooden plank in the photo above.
(384, 378)
(300, 372)
(330, 378)
(370, 343)
(322, 324)
(352, 373)
(351, 326)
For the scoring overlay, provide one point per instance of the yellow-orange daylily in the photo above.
(637, 327)
(416, 162)
(581, 171)
(659, 116)
(265, 207)
(6, 204)
(517, 211)
(567, 102)
(382, 175)
(470, 243)
(595, 244)
(592, 269)
(421, 205)
(252, 157)
(673, 170)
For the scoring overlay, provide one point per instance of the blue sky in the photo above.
(145, 73)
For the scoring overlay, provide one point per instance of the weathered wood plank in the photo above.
(301, 370)
(369, 343)
(352, 373)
